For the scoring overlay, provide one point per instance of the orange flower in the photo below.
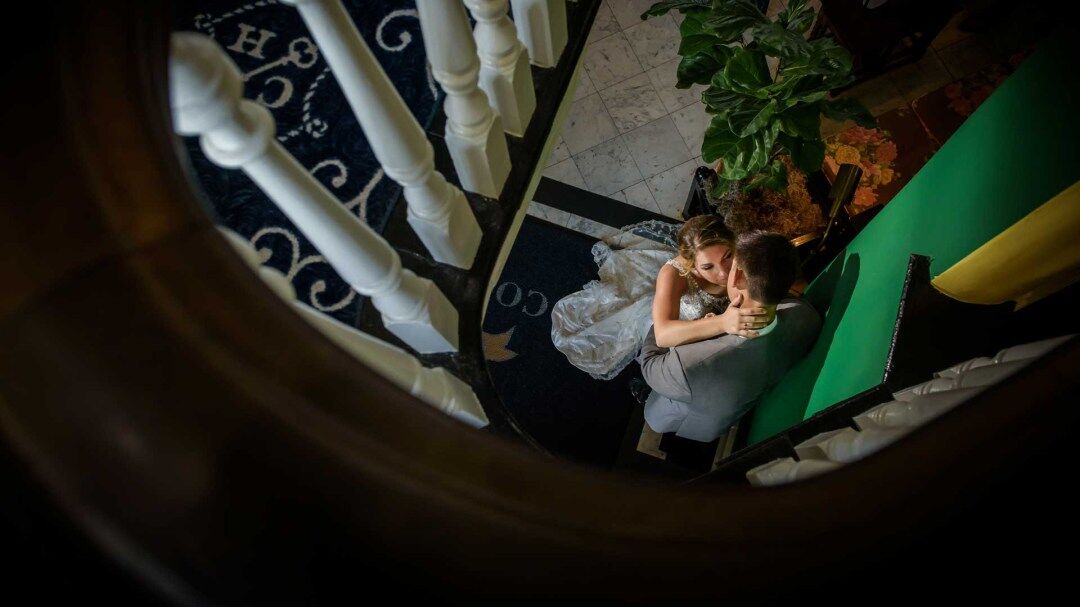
(885, 153)
(857, 135)
(832, 165)
(864, 197)
(846, 154)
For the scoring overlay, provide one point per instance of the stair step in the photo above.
(591, 206)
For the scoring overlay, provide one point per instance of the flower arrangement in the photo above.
(871, 150)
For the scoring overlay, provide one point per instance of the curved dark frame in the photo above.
(217, 448)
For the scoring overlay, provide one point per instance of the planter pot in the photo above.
(795, 212)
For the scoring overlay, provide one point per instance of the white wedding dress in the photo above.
(600, 328)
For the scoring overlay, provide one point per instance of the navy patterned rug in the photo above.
(284, 71)
(567, 411)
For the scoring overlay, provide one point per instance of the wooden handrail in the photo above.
(212, 443)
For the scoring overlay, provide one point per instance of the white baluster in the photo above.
(541, 26)
(436, 386)
(1030, 350)
(438, 211)
(787, 470)
(919, 410)
(990, 374)
(812, 448)
(504, 65)
(474, 132)
(955, 370)
(937, 384)
(849, 445)
(205, 89)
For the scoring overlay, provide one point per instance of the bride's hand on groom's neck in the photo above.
(746, 322)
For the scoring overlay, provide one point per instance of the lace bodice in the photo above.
(697, 302)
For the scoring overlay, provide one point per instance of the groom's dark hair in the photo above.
(770, 263)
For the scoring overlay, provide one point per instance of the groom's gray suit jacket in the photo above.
(701, 389)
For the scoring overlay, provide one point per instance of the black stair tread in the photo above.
(584, 203)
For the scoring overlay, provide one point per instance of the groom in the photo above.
(701, 389)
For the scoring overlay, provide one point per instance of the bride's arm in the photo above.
(670, 331)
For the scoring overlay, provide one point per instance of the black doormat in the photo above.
(567, 411)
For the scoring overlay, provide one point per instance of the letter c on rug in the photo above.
(543, 304)
(502, 291)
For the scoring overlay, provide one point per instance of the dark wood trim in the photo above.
(934, 331)
(212, 446)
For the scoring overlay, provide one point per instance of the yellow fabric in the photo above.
(1033, 258)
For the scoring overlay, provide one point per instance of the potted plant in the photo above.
(768, 87)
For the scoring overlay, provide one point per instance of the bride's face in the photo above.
(713, 263)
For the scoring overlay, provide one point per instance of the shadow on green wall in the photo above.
(785, 404)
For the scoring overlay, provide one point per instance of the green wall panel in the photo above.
(1015, 152)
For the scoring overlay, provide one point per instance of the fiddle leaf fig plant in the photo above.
(761, 111)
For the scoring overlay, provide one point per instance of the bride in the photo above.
(651, 275)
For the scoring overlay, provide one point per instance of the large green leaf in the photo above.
(824, 58)
(749, 119)
(797, 17)
(808, 154)
(719, 140)
(849, 109)
(700, 67)
(730, 18)
(694, 22)
(662, 8)
(695, 43)
(750, 154)
(773, 177)
(747, 72)
(803, 121)
(779, 42)
(837, 64)
(798, 91)
(722, 101)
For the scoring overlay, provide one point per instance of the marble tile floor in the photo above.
(633, 137)
(573, 222)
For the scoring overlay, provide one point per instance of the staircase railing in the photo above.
(213, 447)
(237, 133)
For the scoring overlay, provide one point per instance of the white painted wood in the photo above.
(787, 470)
(811, 448)
(541, 26)
(438, 211)
(938, 384)
(205, 93)
(435, 386)
(990, 374)
(849, 445)
(955, 370)
(919, 410)
(1030, 350)
(505, 74)
(474, 132)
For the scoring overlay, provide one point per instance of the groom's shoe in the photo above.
(640, 390)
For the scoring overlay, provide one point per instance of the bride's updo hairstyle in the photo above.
(701, 232)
